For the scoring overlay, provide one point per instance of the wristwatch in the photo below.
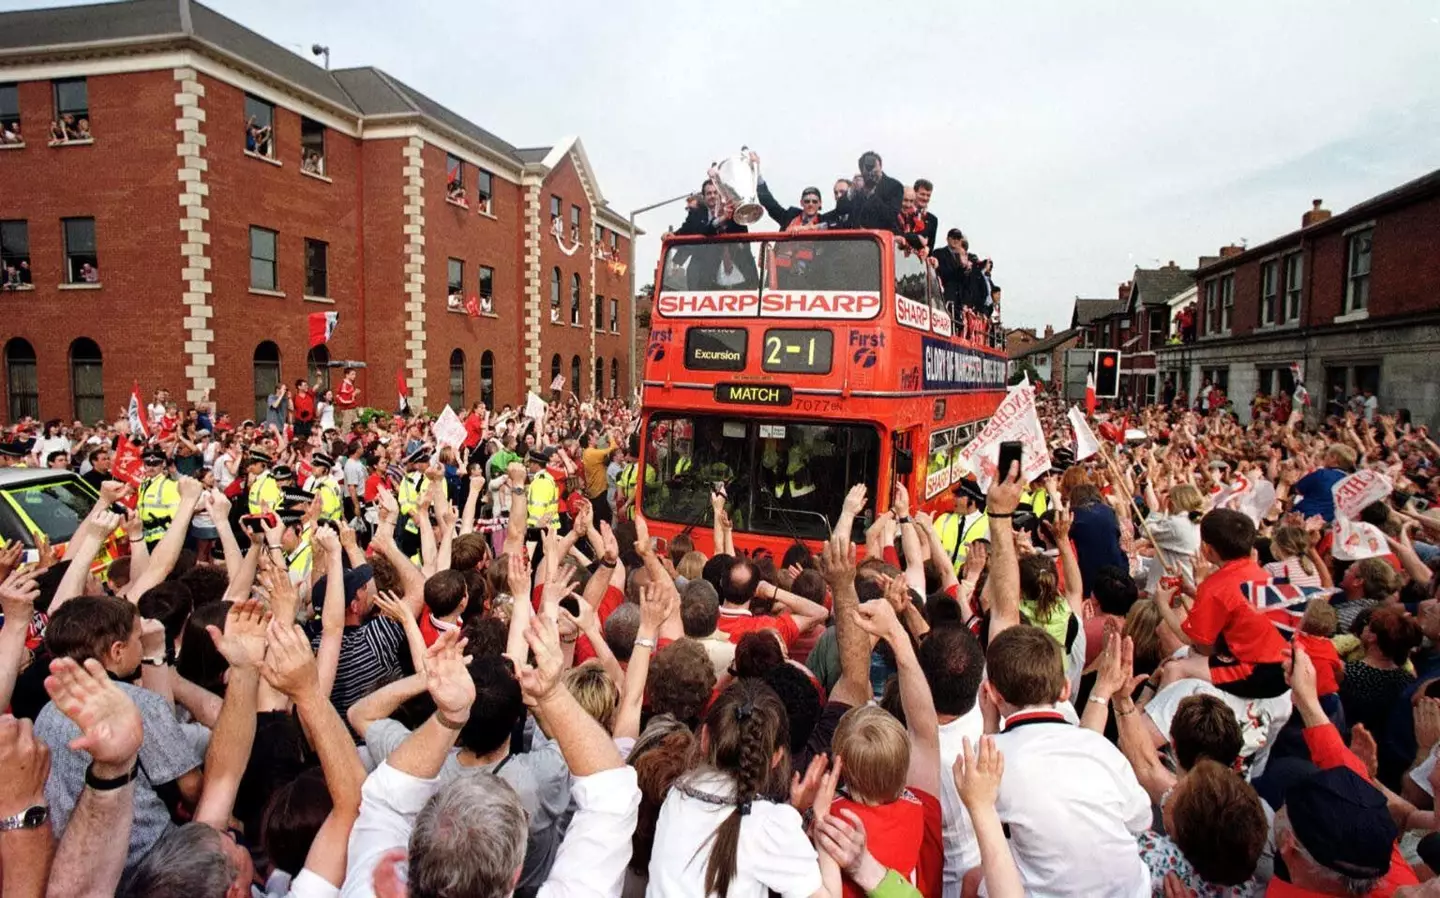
(646, 642)
(32, 817)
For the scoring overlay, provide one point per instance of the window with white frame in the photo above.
(1294, 283)
(259, 127)
(1227, 301)
(82, 265)
(1269, 290)
(1357, 271)
(262, 259)
(485, 195)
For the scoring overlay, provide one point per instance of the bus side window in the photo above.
(910, 276)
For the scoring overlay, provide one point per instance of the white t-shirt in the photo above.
(223, 475)
(774, 854)
(1073, 808)
(961, 850)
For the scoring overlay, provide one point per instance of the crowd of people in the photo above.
(870, 199)
(66, 129)
(335, 658)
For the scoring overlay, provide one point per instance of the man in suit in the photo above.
(923, 189)
(876, 204)
(960, 274)
(714, 265)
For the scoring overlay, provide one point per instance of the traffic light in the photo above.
(1107, 373)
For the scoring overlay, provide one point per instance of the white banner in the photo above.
(1355, 541)
(535, 407)
(1086, 443)
(1359, 490)
(1015, 419)
(448, 429)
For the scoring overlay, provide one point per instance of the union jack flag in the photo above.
(1281, 601)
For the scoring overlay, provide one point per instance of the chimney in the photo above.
(1124, 292)
(1231, 251)
(1207, 260)
(1315, 215)
(1171, 264)
(1049, 331)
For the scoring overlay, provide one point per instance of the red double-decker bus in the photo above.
(791, 366)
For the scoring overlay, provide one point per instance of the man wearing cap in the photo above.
(159, 496)
(322, 483)
(12, 454)
(264, 492)
(543, 498)
(1334, 833)
(295, 537)
(966, 524)
(407, 496)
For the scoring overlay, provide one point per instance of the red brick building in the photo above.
(1353, 297)
(162, 240)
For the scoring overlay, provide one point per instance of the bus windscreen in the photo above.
(787, 264)
(785, 479)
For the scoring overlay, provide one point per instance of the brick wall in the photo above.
(174, 194)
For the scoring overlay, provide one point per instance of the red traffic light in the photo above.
(1107, 361)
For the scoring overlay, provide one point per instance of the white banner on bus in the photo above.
(826, 304)
(1015, 419)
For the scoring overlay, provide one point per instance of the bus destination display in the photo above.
(715, 349)
(789, 351)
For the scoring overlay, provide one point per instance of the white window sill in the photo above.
(487, 213)
(615, 331)
(557, 322)
(256, 291)
(275, 162)
(71, 143)
(311, 174)
(577, 326)
(1357, 315)
(13, 146)
(16, 288)
(490, 315)
(84, 286)
(308, 298)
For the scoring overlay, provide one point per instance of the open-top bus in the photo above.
(791, 366)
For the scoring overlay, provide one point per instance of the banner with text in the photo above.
(1015, 419)
(1359, 490)
(951, 367)
(448, 429)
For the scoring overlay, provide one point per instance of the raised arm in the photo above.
(92, 852)
(447, 678)
(385, 701)
(167, 551)
(518, 577)
(243, 645)
(519, 510)
(656, 606)
(1069, 564)
(909, 540)
(25, 854)
(290, 668)
(878, 619)
(1004, 582)
(472, 499)
(17, 597)
(81, 554)
(220, 505)
(854, 504)
(937, 550)
(837, 565)
(411, 579)
(977, 779)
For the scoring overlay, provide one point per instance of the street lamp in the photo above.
(634, 313)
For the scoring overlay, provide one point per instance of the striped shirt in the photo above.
(369, 658)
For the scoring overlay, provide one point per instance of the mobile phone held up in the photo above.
(1012, 452)
(256, 523)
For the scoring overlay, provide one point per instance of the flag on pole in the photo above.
(403, 390)
(1086, 443)
(136, 413)
(322, 325)
(1089, 392)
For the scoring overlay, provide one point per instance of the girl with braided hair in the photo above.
(725, 829)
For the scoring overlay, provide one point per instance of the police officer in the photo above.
(295, 539)
(966, 524)
(264, 492)
(407, 496)
(159, 496)
(12, 455)
(543, 498)
(322, 483)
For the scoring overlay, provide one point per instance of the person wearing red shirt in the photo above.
(446, 596)
(303, 408)
(1334, 831)
(740, 584)
(1241, 648)
(347, 398)
(475, 426)
(892, 772)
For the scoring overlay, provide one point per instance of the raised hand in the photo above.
(393, 607)
(877, 617)
(611, 544)
(657, 603)
(243, 640)
(540, 681)
(1427, 722)
(26, 762)
(855, 499)
(190, 489)
(804, 788)
(837, 561)
(275, 580)
(289, 664)
(10, 557)
(517, 571)
(978, 773)
(1004, 494)
(1115, 675)
(110, 725)
(327, 539)
(18, 593)
(447, 677)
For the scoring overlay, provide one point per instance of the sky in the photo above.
(1072, 142)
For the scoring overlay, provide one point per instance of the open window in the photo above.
(10, 133)
(259, 127)
(312, 147)
(72, 112)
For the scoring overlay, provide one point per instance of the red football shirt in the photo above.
(897, 837)
(736, 622)
(1326, 660)
(1222, 617)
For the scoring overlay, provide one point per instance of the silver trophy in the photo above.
(738, 179)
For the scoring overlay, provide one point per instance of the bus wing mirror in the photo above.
(904, 462)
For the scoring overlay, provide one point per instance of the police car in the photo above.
(42, 501)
